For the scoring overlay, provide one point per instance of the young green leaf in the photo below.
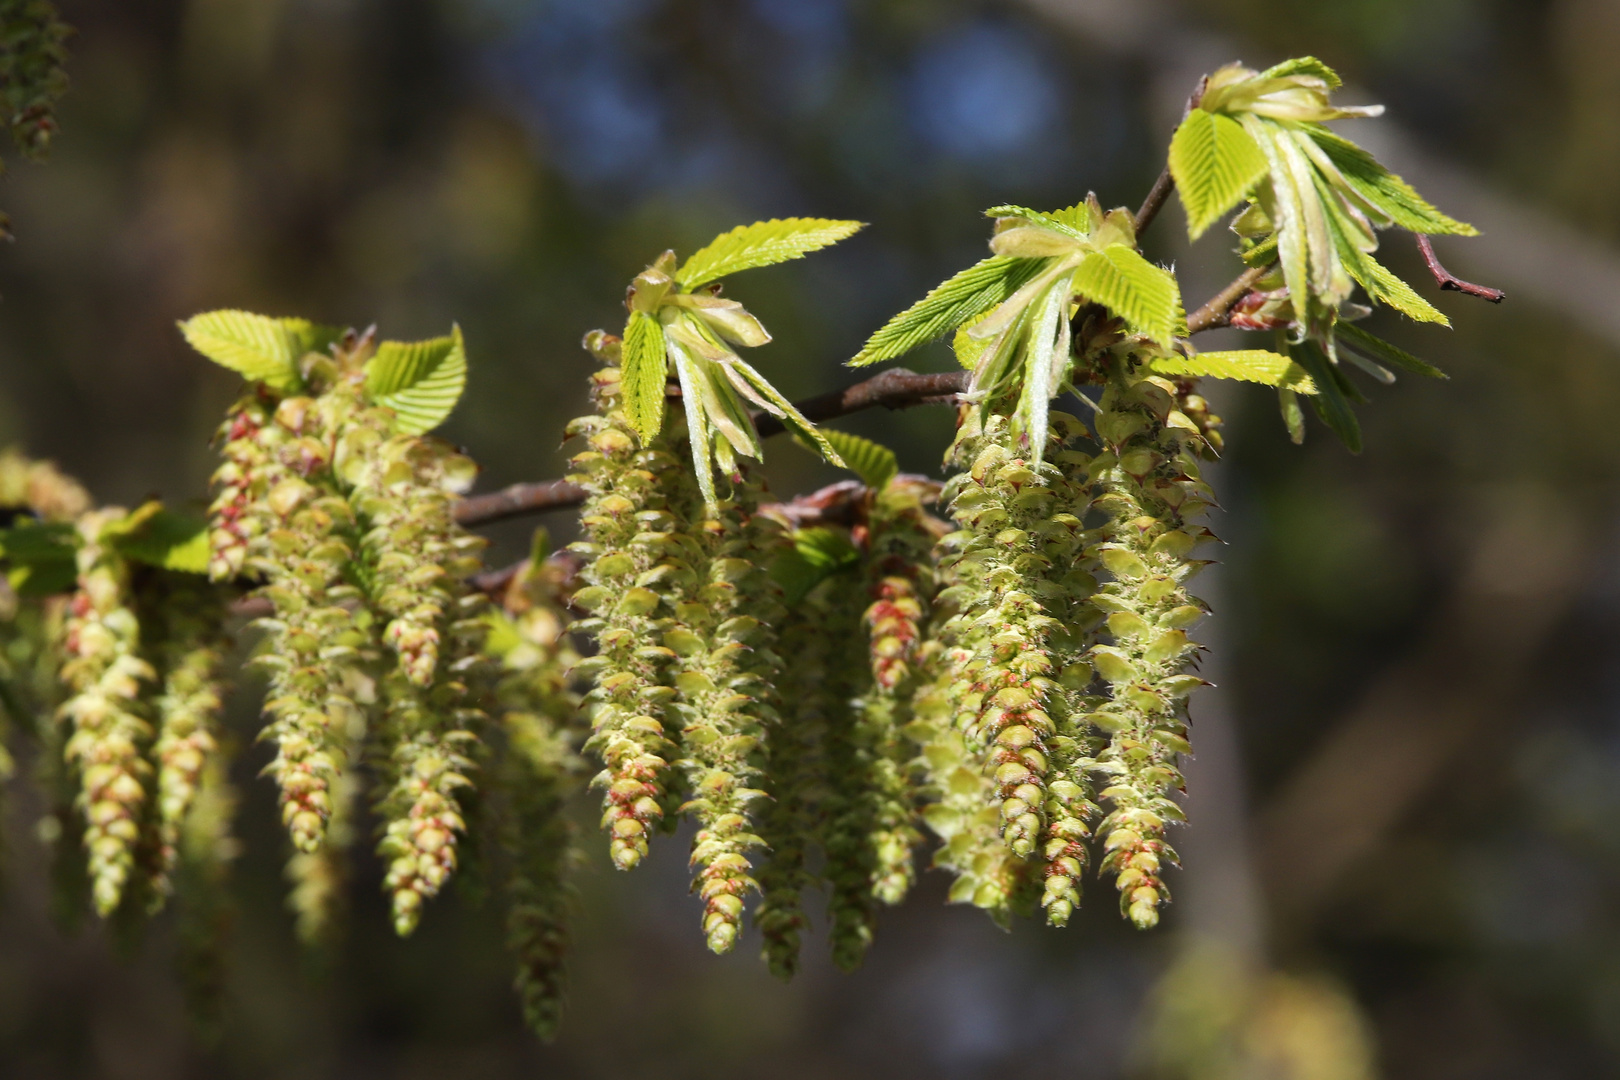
(1065, 222)
(165, 539)
(1394, 196)
(258, 347)
(420, 380)
(1247, 365)
(1144, 295)
(761, 244)
(873, 462)
(1332, 403)
(644, 372)
(817, 554)
(1376, 348)
(957, 300)
(1304, 65)
(40, 557)
(1215, 163)
(771, 400)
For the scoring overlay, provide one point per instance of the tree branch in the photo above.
(1215, 313)
(517, 500)
(1447, 280)
(1157, 196)
(896, 388)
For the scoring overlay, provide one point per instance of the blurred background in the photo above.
(1406, 853)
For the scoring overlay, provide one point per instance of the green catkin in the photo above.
(318, 879)
(537, 709)
(106, 674)
(40, 488)
(791, 821)
(205, 912)
(634, 560)
(240, 518)
(401, 490)
(32, 54)
(1148, 485)
(900, 585)
(963, 812)
(190, 654)
(316, 646)
(722, 633)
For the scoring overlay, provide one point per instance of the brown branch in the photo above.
(517, 500)
(1219, 308)
(1157, 196)
(1447, 280)
(896, 388)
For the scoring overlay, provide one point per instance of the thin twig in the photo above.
(1219, 308)
(1157, 196)
(896, 388)
(1447, 280)
(517, 500)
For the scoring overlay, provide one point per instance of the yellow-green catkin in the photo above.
(538, 766)
(722, 632)
(401, 488)
(635, 559)
(320, 634)
(900, 587)
(190, 654)
(40, 488)
(107, 675)
(240, 517)
(790, 824)
(205, 850)
(1148, 486)
(962, 810)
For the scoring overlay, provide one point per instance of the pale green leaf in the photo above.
(1215, 163)
(40, 557)
(1144, 295)
(420, 380)
(1247, 365)
(1394, 196)
(1304, 65)
(1381, 285)
(873, 462)
(258, 347)
(957, 300)
(763, 243)
(772, 401)
(643, 374)
(1064, 221)
(1378, 349)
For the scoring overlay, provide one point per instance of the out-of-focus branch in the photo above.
(1395, 747)
(1157, 196)
(517, 500)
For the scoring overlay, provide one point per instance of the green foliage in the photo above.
(643, 374)
(258, 347)
(873, 462)
(1144, 295)
(1215, 164)
(956, 301)
(421, 381)
(763, 243)
(1245, 365)
(163, 538)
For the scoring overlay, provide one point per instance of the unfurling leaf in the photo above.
(420, 380)
(644, 373)
(873, 462)
(817, 554)
(1215, 164)
(1377, 348)
(763, 243)
(1247, 365)
(957, 300)
(1332, 402)
(257, 347)
(1398, 200)
(1144, 295)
